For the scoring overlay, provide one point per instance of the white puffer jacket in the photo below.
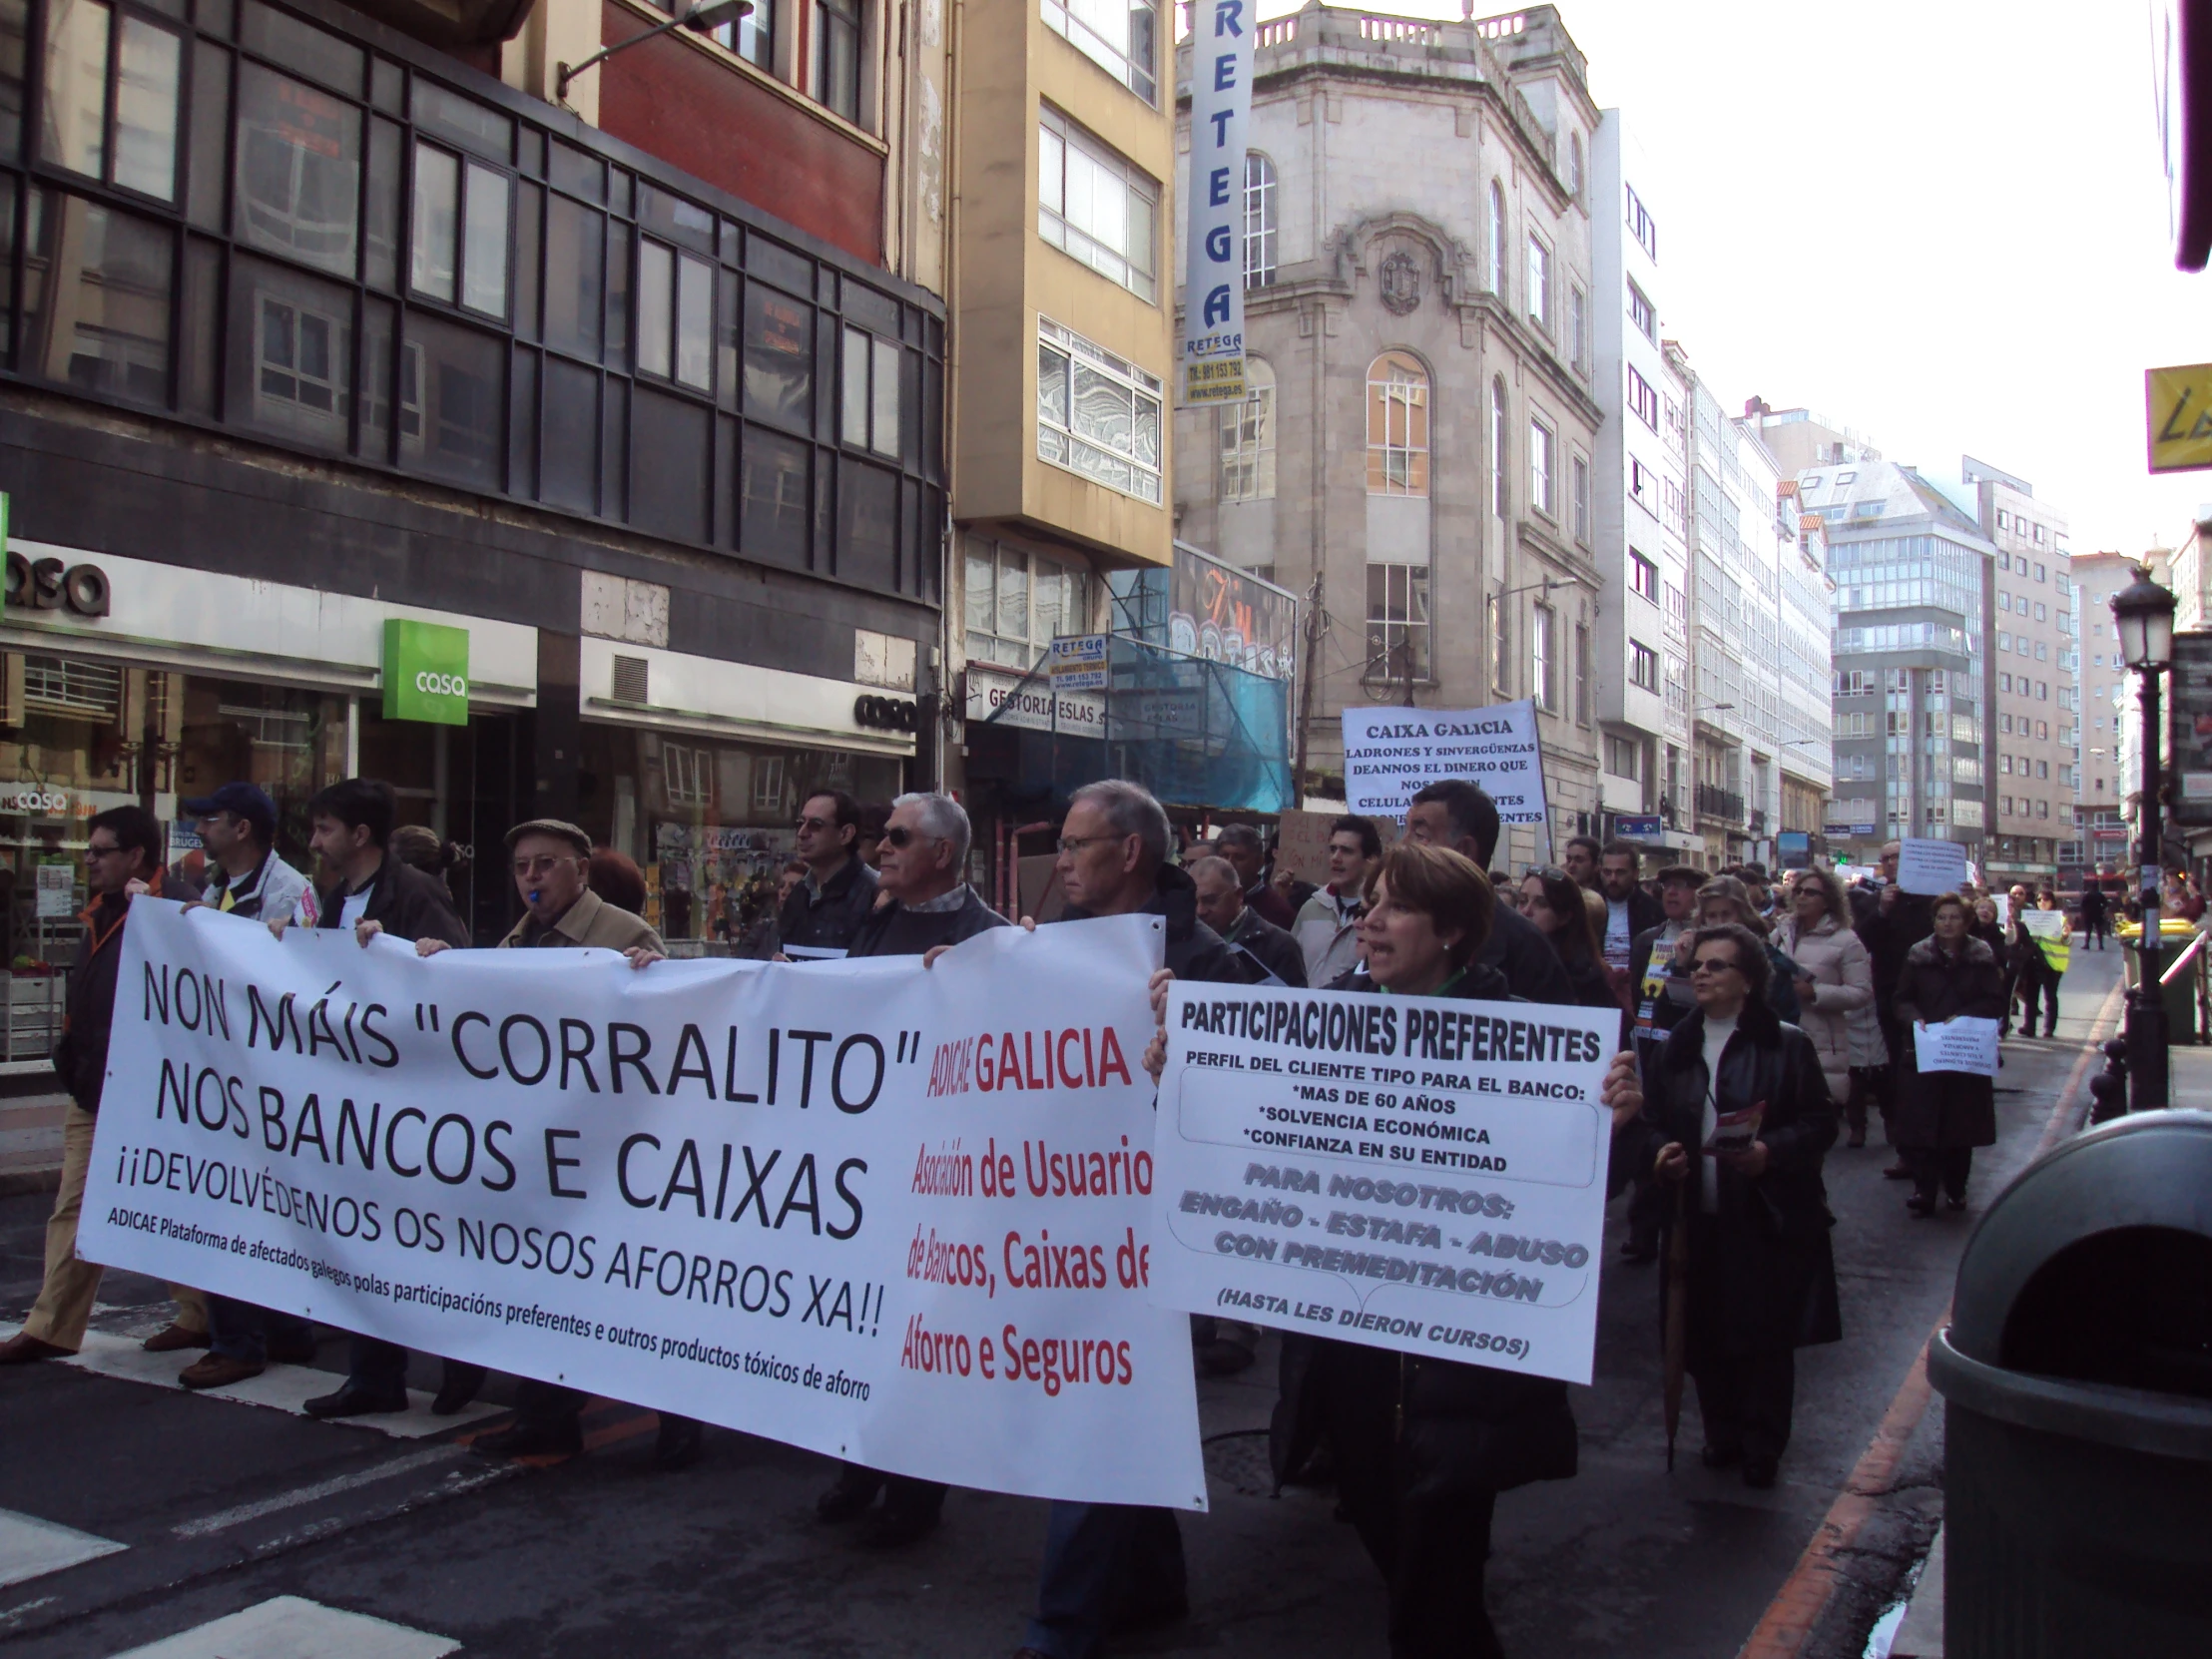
(1841, 972)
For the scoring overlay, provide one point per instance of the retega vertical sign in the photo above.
(1213, 277)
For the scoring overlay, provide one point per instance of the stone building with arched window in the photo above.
(1417, 260)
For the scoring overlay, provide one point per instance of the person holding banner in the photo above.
(1108, 1563)
(1745, 1092)
(2032, 977)
(123, 859)
(928, 909)
(826, 908)
(1423, 1447)
(1942, 1116)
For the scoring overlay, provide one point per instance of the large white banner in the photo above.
(891, 1214)
(1392, 754)
(1413, 1173)
(1213, 273)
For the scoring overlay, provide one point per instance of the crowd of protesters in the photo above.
(1759, 1019)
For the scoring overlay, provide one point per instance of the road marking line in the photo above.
(293, 1627)
(223, 1519)
(1791, 1617)
(31, 1547)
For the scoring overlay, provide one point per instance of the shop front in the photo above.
(146, 682)
(696, 769)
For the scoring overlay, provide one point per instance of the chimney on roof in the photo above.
(1755, 407)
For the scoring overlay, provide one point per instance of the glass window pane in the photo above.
(981, 604)
(779, 357)
(148, 76)
(458, 378)
(1052, 385)
(695, 323)
(570, 470)
(773, 516)
(301, 46)
(95, 298)
(574, 257)
(15, 22)
(387, 152)
(465, 122)
(211, 126)
(618, 292)
(290, 354)
(484, 260)
(1014, 596)
(854, 396)
(889, 359)
(437, 204)
(298, 171)
(74, 131)
(529, 217)
(656, 283)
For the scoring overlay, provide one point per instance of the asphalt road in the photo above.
(220, 1506)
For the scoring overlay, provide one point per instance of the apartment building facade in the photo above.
(352, 363)
(1417, 454)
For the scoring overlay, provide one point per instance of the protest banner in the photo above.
(1930, 866)
(2050, 931)
(1964, 1044)
(1418, 1174)
(1392, 754)
(839, 1204)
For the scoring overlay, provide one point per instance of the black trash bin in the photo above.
(2077, 1380)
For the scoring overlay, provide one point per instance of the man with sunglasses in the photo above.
(924, 867)
(123, 859)
(824, 911)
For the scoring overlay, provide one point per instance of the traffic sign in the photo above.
(2178, 418)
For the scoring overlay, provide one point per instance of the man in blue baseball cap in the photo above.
(237, 826)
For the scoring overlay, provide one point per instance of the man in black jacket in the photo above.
(923, 860)
(1111, 1564)
(123, 859)
(827, 909)
(1628, 908)
(372, 894)
(1221, 906)
(1459, 814)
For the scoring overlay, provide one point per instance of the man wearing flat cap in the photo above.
(552, 862)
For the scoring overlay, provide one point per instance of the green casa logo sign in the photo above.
(425, 672)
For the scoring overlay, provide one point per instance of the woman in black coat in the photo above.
(1423, 1447)
(1762, 1280)
(1942, 1116)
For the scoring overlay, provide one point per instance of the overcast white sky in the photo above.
(1942, 223)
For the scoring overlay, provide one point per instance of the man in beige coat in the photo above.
(552, 865)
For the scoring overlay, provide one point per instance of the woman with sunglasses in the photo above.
(1942, 1116)
(1736, 1125)
(1424, 1446)
(1552, 899)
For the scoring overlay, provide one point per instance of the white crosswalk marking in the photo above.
(291, 1627)
(30, 1547)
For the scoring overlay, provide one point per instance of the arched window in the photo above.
(1500, 494)
(1248, 437)
(1574, 164)
(1497, 239)
(1259, 229)
(1397, 425)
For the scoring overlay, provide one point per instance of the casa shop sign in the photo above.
(425, 672)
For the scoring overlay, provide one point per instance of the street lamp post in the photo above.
(2143, 619)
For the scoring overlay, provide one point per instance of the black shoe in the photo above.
(1919, 1208)
(848, 1495)
(1222, 1357)
(353, 1400)
(1721, 1456)
(1640, 1251)
(300, 1351)
(457, 1388)
(557, 1438)
(678, 1444)
(896, 1528)
(1957, 1201)
(1759, 1472)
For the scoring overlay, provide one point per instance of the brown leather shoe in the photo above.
(217, 1371)
(23, 1349)
(174, 1339)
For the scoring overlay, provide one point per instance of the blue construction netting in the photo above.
(1195, 733)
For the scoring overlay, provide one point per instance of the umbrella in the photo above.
(1677, 1316)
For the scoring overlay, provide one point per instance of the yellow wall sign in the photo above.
(2178, 415)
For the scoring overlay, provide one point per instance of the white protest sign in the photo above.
(1391, 755)
(2045, 924)
(890, 1214)
(1412, 1173)
(2004, 903)
(1962, 1044)
(1930, 866)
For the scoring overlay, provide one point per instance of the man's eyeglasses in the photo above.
(544, 864)
(1716, 964)
(100, 852)
(1076, 844)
